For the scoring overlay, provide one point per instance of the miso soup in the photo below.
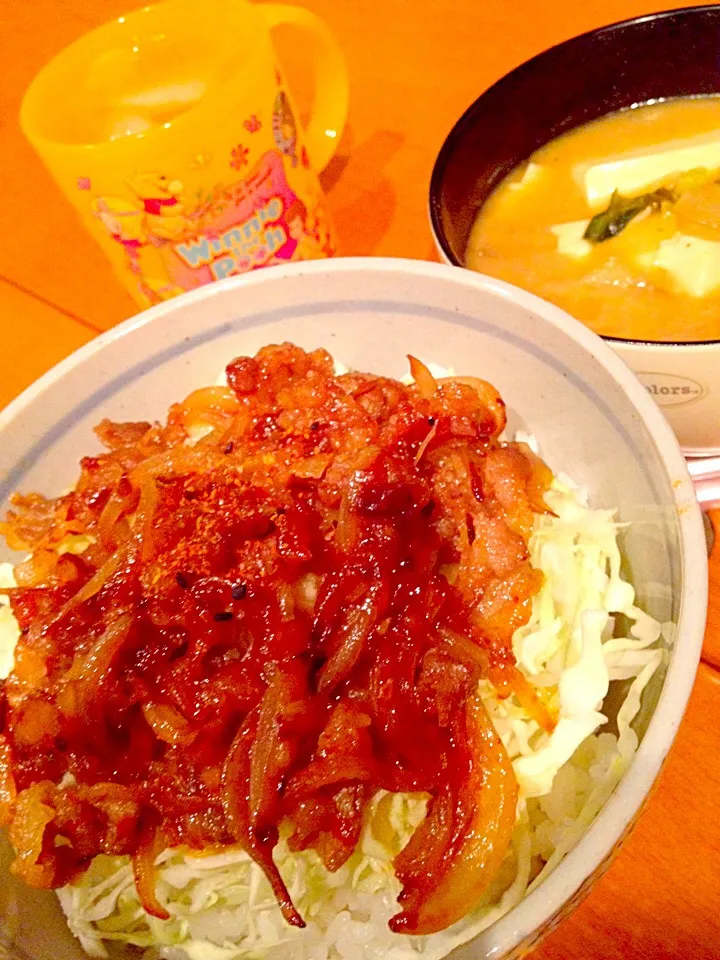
(617, 222)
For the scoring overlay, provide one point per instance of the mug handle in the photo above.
(329, 111)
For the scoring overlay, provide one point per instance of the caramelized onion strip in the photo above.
(431, 902)
(426, 442)
(354, 631)
(235, 800)
(109, 518)
(93, 586)
(8, 790)
(529, 700)
(145, 874)
(144, 525)
(465, 650)
(167, 724)
(33, 815)
(37, 569)
(83, 681)
(424, 380)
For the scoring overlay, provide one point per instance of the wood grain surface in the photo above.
(414, 67)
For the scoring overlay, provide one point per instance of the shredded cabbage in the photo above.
(221, 906)
(567, 649)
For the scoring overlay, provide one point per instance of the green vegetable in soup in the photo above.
(621, 210)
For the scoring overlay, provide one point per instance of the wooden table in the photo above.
(415, 65)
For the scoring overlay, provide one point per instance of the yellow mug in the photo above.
(174, 136)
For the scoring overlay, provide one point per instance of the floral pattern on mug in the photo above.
(239, 156)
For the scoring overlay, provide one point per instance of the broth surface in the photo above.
(658, 278)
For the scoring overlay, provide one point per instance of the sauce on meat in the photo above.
(270, 624)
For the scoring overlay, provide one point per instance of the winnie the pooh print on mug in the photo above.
(177, 141)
